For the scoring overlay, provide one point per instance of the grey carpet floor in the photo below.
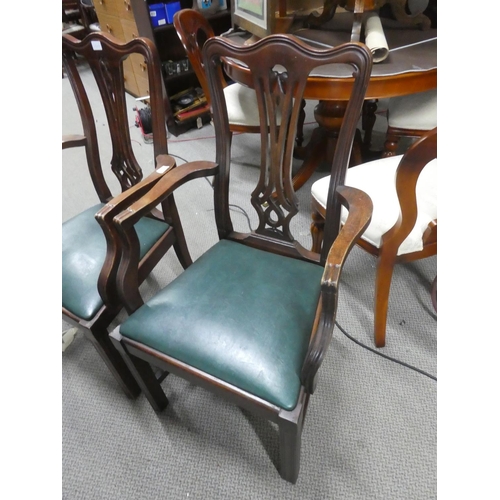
(370, 431)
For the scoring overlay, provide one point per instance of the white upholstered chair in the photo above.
(403, 228)
(193, 30)
(409, 116)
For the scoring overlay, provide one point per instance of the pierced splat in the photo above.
(277, 68)
(274, 198)
(110, 80)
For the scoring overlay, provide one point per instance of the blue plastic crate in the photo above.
(158, 14)
(171, 8)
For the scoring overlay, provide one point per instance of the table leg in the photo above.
(321, 146)
(368, 119)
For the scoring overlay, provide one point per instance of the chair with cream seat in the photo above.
(410, 115)
(252, 318)
(194, 30)
(90, 249)
(403, 189)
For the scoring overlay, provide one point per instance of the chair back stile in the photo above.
(280, 70)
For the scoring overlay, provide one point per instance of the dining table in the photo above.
(410, 67)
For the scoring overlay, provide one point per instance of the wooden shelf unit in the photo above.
(170, 49)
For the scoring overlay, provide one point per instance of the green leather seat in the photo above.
(239, 314)
(83, 254)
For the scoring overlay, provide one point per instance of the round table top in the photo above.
(410, 67)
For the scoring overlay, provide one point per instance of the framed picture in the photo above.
(265, 17)
(255, 16)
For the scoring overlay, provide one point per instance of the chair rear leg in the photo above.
(114, 361)
(390, 144)
(317, 231)
(142, 372)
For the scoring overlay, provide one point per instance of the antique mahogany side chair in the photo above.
(89, 256)
(403, 189)
(194, 30)
(252, 318)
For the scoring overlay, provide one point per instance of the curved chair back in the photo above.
(194, 30)
(105, 55)
(279, 68)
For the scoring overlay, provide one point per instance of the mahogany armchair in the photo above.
(403, 189)
(90, 253)
(252, 318)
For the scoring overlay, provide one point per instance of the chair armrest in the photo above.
(163, 189)
(104, 217)
(127, 275)
(72, 141)
(360, 208)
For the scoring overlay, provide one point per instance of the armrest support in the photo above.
(360, 209)
(104, 217)
(127, 274)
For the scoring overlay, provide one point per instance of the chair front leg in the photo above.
(290, 436)
(142, 372)
(115, 363)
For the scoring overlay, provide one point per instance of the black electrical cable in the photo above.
(385, 355)
(230, 205)
(176, 156)
(242, 210)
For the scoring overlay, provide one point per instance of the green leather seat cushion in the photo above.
(240, 314)
(83, 255)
